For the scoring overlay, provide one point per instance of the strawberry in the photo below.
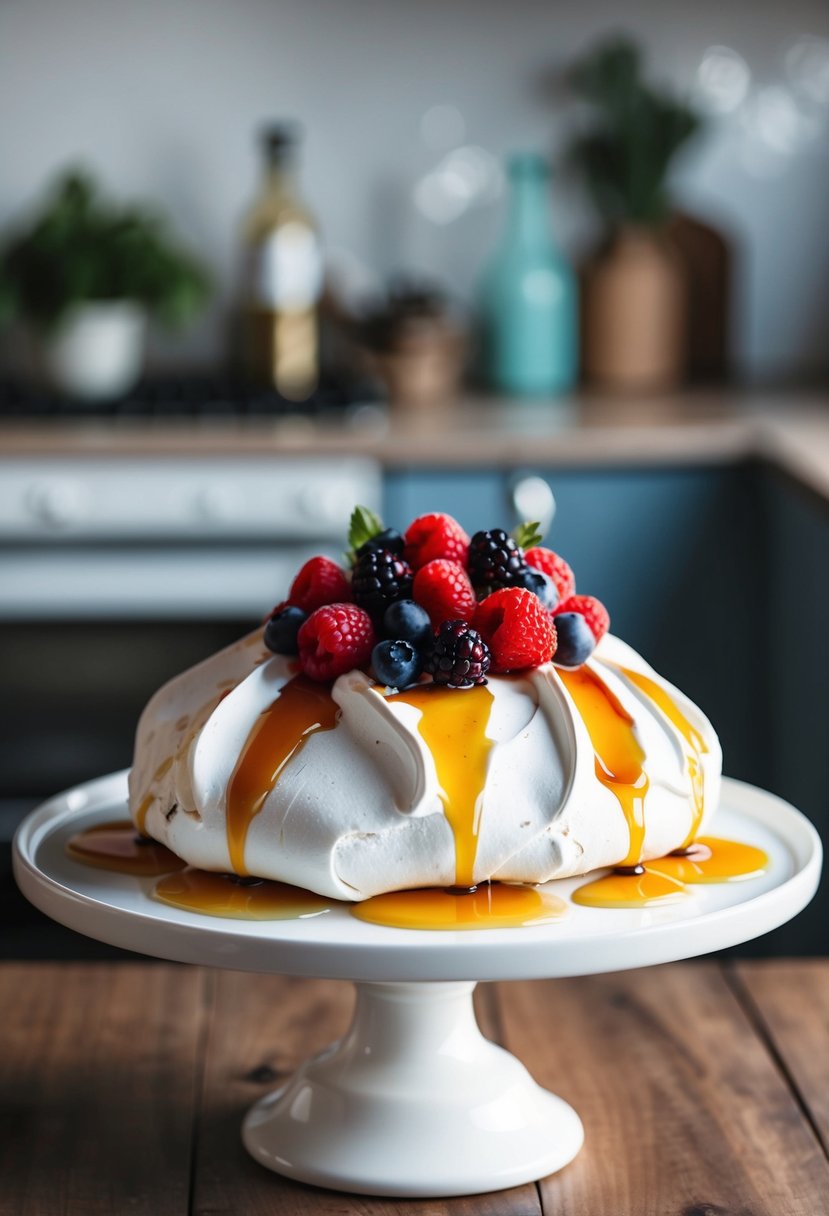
(335, 639)
(593, 611)
(518, 630)
(431, 537)
(319, 582)
(443, 588)
(550, 563)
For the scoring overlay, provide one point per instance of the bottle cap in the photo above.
(280, 138)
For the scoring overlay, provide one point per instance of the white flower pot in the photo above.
(98, 351)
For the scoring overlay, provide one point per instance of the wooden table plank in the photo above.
(97, 1077)
(262, 1027)
(685, 1111)
(791, 999)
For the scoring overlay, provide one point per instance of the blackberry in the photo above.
(459, 656)
(495, 561)
(380, 578)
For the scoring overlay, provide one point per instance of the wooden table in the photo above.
(704, 1089)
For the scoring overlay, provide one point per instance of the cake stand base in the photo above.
(415, 1102)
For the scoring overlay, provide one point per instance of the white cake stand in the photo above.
(414, 1101)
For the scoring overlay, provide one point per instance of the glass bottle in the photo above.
(283, 277)
(529, 296)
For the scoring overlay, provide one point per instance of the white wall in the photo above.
(162, 97)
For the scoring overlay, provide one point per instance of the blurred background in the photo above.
(261, 261)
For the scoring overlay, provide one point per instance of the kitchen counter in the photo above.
(703, 1088)
(709, 427)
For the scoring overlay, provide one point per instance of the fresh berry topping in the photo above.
(495, 561)
(396, 663)
(542, 585)
(387, 539)
(407, 620)
(557, 568)
(282, 629)
(459, 657)
(319, 582)
(380, 577)
(435, 536)
(593, 611)
(519, 632)
(575, 642)
(335, 639)
(444, 590)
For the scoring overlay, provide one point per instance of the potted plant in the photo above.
(634, 290)
(85, 276)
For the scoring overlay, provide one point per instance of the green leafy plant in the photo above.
(634, 130)
(81, 248)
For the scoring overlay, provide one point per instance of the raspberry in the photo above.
(380, 578)
(444, 590)
(518, 630)
(335, 639)
(319, 582)
(593, 611)
(435, 536)
(557, 568)
(495, 561)
(459, 657)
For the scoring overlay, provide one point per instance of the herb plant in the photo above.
(81, 248)
(633, 133)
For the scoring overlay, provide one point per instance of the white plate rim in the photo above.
(394, 955)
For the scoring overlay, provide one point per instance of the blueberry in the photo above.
(388, 539)
(575, 641)
(282, 629)
(542, 585)
(407, 620)
(396, 663)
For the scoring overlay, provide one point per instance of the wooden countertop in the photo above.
(687, 427)
(704, 1089)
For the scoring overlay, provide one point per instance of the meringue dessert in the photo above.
(446, 714)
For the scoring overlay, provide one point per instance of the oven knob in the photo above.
(216, 504)
(325, 504)
(58, 504)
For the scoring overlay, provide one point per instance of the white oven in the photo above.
(117, 573)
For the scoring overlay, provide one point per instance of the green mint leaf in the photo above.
(528, 535)
(364, 524)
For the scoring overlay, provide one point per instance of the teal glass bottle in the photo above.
(529, 306)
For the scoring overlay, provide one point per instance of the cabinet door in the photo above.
(477, 499)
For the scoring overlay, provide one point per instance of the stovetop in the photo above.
(188, 397)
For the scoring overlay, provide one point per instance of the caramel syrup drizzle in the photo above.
(453, 726)
(619, 758)
(302, 708)
(694, 748)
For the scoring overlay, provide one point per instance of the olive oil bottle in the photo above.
(284, 276)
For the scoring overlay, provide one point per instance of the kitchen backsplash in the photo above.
(408, 109)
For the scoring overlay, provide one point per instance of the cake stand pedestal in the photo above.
(414, 1101)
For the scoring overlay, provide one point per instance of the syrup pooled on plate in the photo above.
(711, 859)
(490, 906)
(302, 708)
(453, 726)
(240, 899)
(118, 847)
(641, 890)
